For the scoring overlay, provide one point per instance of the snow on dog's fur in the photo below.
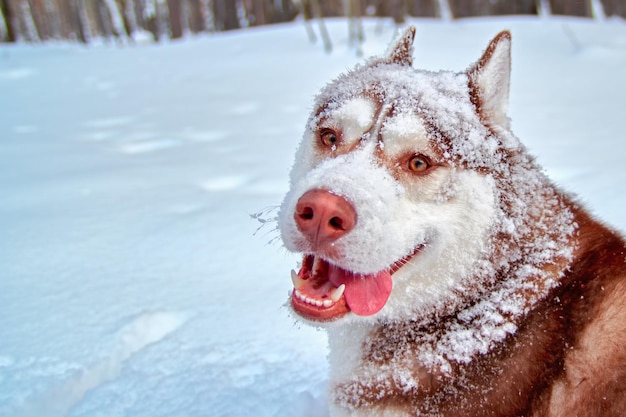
(453, 278)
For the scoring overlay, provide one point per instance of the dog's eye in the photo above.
(328, 138)
(418, 164)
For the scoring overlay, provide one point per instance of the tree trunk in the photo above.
(27, 27)
(317, 12)
(225, 14)
(75, 19)
(256, 10)
(69, 20)
(176, 21)
(197, 19)
(423, 8)
(64, 26)
(3, 27)
(38, 10)
(150, 16)
(8, 13)
(614, 7)
(127, 8)
(97, 27)
(467, 8)
(398, 11)
(288, 11)
(53, 18)
(115, 18)
(571, 8)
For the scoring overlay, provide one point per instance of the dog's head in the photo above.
(393, 198)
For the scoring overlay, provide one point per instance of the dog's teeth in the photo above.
(335, 295)
(297, 281)
(337, 292)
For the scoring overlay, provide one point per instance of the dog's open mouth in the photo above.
(323, 291)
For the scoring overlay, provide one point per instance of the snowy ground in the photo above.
(131, 281)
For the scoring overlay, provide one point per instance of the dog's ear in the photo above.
(401, 50)
(489, 80)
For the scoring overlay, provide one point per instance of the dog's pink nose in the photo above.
(324, 217)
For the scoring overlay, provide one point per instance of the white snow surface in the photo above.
(132, 282)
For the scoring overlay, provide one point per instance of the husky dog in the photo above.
(453, 278)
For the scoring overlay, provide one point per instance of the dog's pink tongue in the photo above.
(364, 294)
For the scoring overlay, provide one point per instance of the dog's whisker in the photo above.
(266, 216)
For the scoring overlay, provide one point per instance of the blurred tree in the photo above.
(96, 19)
(196, 16)
(9, 22)
(53, 19)
(26, 23)
(3, 29)
(263, 12)
(311, 9)
(38, 10)
(354, 11)
(467, 8)
(35, 20)
(176, 26)
(64, 19)
(225, 15)
(147, 16)
(398, 10)
(127, 8)
(75, 13)
(115, 17)
(571, 8)
(424, 8)
(256, 11)
(614, 7)
(152, 14)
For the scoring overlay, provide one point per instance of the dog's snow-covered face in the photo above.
(392, 198)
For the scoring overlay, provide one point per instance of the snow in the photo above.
(132, 282)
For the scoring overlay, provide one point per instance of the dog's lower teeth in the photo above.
(337, 292)
(313, 301)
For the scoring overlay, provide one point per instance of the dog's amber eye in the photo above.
(418, 163)
(328, 138)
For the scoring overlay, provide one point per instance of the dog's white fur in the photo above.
(450, 212)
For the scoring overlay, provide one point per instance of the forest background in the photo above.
(156, 20)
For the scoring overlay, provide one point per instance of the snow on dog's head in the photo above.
(393, 198)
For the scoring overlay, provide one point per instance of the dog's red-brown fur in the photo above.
(568, 358)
